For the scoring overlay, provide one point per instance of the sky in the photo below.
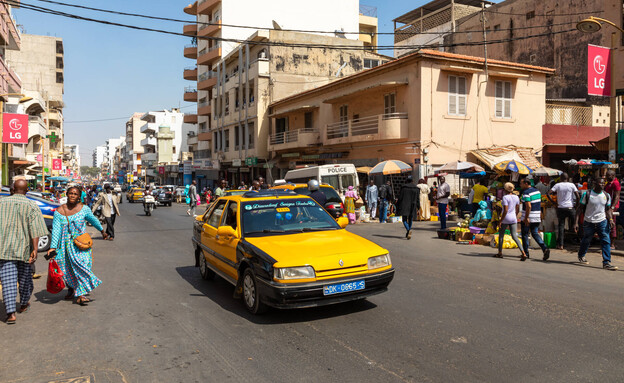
(112, 72)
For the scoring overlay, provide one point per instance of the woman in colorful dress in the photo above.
(349, 203)
(69, 222)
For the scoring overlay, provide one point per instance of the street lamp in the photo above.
(4, 164)
(593, 24)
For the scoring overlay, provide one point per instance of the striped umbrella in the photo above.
(513, 166)
(390, 167)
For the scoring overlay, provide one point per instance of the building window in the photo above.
(227, 103)
(251, 92)
(457, 96)
(236, 138)
(497, 27)
(370, 63)
(59, 77)
(215, 140)
(59, 63)
(530, 15)
(308, 124)
(227, 140)
(503, 99)
(237, 98)
(389, 104)
(344, 114)
(251, 135)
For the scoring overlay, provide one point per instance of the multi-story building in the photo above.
(427, 25)
(10, 82)
(99, 156)
(269, 66)
(133, 148)
(71, 158)
(426, 109)
(40, 65)
(165, 140)
(543, 33)
(346, 20)
(111, 148)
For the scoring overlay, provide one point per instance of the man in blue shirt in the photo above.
(372, 194)
(531, 217)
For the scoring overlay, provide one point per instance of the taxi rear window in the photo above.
(330, 194)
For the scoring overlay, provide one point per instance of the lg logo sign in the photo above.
(15, 128)
(600, 68)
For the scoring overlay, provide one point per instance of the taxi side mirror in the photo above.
(226, 231)
(343, 222)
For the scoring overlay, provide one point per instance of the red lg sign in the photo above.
(57, 164)
(15, 128)
(598, 71)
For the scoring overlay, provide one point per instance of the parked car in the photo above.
(282, 249)
(334, 204)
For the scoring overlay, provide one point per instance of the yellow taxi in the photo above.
(135, 195)
(281, 249)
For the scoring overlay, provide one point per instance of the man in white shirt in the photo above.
(595, 204)
(444, 191)
(567, 198)
(110, 210)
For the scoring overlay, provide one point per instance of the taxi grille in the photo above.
(342, 271)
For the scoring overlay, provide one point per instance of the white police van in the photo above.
(340, 176)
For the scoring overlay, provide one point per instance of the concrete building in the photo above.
(111, 146)
(10, 82)
(99, 156)
(426, 109)
(346, 20)
(133, 148)
(165, 140)
(40, 65)
(233, 125)
(71, 158)
(427, 25)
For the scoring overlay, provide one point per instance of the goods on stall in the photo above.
(508, 242)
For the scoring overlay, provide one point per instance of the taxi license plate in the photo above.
(343, 287)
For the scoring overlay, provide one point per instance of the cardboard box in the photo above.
(434, 210)
(464, 236)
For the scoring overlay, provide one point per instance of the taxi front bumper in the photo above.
(301, 295)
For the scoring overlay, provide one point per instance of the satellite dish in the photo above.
(276, 25)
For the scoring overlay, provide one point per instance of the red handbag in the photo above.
(55, 282)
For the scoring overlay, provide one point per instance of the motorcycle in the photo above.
(149, 202)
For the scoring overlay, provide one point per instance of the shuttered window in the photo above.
(457, 96)
(389, 104)
(503, 99)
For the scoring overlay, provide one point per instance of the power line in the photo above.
(546, 15)
(272, 43)
(283, 29)
(112, 119)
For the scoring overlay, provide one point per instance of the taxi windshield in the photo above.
(284, 216)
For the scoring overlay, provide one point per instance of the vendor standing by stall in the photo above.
(480, 191)
(442, 199)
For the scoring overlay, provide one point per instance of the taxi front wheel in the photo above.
(251, 297)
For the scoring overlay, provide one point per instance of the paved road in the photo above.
(453, 313)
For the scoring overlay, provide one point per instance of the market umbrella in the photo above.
(363, 169)
(513, 166)
(544, 171)
(460, 166)
(390, 167)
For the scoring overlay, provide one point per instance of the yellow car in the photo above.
(283, 250)
(135, 195)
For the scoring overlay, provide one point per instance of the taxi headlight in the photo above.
(303, 272)
(379, 261)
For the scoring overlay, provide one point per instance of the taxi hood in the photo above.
(321, 249)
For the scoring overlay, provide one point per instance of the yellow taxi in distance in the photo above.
(283, 250)
(134, 195)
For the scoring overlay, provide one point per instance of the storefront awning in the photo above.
(496, 154)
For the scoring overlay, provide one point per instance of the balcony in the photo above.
(210, 55)
(149, 141)
(190, 119)
(190, 74)
(204, 109)
(191, 9)
(190, 94)
(207, 80)
(206, 153)
(192, 140)
(9, 33)
(190, 51)
(149, 128)
(300, 138)
(204, 136)
(205, 7)
(390, 126)
(189, 29)
(210, 28)
(568, 115)
(149, 157)
(36, 126)
(11, 83)
(259, 68)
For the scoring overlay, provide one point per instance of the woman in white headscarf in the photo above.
(424, 214)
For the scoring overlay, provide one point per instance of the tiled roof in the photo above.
(480, 60)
